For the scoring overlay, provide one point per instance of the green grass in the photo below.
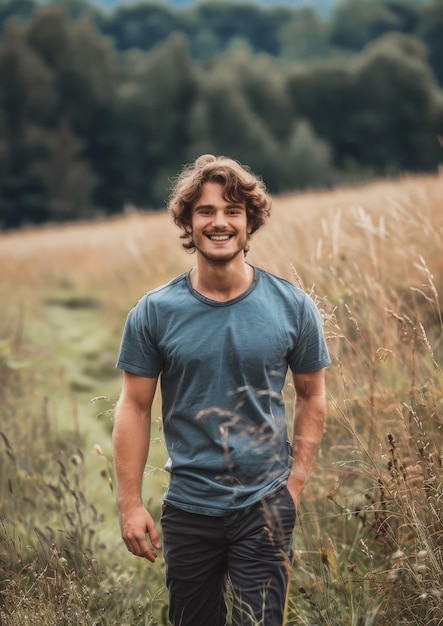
(60, 544)
(61, 554)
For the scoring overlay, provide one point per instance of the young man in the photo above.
(221, 337)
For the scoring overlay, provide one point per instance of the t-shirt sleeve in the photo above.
(138, 351)
(310, 352)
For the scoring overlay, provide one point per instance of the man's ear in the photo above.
(249, 222)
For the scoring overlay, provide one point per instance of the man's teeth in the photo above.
(219, 237)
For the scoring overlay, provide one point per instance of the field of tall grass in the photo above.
(369, 539)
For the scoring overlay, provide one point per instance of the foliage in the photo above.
(305, 36)
(98, 110)
(430, 29)
(355, 23)
(160, 86)
(372, 105)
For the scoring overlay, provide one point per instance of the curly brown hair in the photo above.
(240, 185)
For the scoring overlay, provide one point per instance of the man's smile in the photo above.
(219, 237)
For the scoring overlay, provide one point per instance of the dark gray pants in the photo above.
(251, 548)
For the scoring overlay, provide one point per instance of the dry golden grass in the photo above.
(378, 225)
(371, 517)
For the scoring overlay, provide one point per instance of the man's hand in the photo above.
(135, 525)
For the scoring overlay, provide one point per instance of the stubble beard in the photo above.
(220, 261)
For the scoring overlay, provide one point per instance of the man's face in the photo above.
(219, 228)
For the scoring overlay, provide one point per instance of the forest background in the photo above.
(99, 108)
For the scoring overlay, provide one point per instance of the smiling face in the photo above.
(219, 228)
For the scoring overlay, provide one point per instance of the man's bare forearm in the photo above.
(309, 422)
(131, 446)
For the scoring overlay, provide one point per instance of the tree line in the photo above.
(99, 110)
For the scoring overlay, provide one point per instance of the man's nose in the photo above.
(219, 219)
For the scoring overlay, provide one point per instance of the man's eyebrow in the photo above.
(229, 205)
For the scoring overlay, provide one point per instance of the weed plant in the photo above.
(371, 551)
(55, 569)
(369, 539)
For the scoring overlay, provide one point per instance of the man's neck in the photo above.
(222, 282)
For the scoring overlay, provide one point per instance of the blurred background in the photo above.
(101, 103)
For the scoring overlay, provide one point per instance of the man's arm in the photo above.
(309, 419)
(130, 439)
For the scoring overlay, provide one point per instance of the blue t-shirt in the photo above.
(223, 367)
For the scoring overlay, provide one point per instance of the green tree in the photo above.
(205, 44)
(261, 81)
(355, 23)
(84, 66)
(308, 160)
(395, 103)
(243, 110)
(379, 111)
(407, 13)
(305, 36)
(431, 32)
(155, 99)
(77, 8)
(222, 122)
(22, 9)
(27, 101)
(141, 25)
(23, 194)
(257, 26)
(320, 93)
(68, 180)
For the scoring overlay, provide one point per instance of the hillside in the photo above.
(372, 512)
